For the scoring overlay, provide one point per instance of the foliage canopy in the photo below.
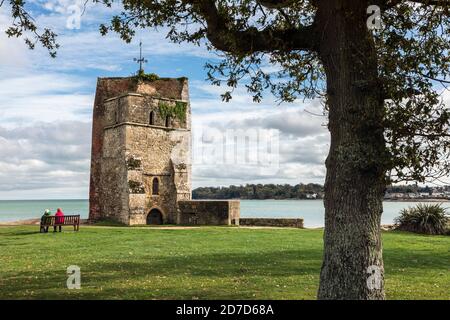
(272, 45)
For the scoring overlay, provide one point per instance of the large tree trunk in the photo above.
(355, 179)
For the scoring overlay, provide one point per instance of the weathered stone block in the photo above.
(141, 156)
(272, 222)
(132, 172)
(209, 212)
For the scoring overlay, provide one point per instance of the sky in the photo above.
(46, 109)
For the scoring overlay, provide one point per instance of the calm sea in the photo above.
(310, 210)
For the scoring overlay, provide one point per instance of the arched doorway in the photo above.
(154, 217)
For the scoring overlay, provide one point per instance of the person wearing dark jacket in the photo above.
(44, 220)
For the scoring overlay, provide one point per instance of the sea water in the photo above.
(312, 211)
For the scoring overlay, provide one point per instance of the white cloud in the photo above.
(45, 156)
(46, 108)
(303, 138)
(51, 97)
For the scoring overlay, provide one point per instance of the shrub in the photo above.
(134, 163)
(175, 111)
(424, 218)
(141, 75)
(135, 187)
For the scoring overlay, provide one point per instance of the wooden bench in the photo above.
(72, 220)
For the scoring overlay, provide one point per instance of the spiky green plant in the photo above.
(423, 218)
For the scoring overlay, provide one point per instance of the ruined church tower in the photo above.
(141, 150)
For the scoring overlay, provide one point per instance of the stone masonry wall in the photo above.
(121, 130)
(209, 212)
(272, 222)
(112, 187)
(153, 147)
(108, 88)
(130, 152)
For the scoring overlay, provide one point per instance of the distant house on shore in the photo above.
(394, 195)
(438, 194)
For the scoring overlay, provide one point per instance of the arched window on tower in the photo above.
(168, 121)
(155, 186)
(151, 119)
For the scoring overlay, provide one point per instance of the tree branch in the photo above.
(223, 37)
(386, 4)
(275, 4)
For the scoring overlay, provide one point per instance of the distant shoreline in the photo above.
(44, 200)
(25, 222)
(271, 199)
(417, 200)
(36, 222)
(312, 210)
(384, 200)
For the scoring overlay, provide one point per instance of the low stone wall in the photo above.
(209, 212)
(272, 222)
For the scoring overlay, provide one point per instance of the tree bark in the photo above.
(355, 182)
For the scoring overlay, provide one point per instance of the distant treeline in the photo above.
(286, 191)
(410, 189)
(261, 191)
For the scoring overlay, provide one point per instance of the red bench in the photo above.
(72, 220)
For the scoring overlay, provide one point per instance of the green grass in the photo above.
(202, 263)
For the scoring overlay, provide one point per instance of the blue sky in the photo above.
(46, 108)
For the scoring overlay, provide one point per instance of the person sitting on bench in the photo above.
(59, 219)
(45, 216)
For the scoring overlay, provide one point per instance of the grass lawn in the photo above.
(202, 263)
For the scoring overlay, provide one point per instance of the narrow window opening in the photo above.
(155, 187)
(152, 118)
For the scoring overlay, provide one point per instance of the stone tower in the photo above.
(141, 150)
